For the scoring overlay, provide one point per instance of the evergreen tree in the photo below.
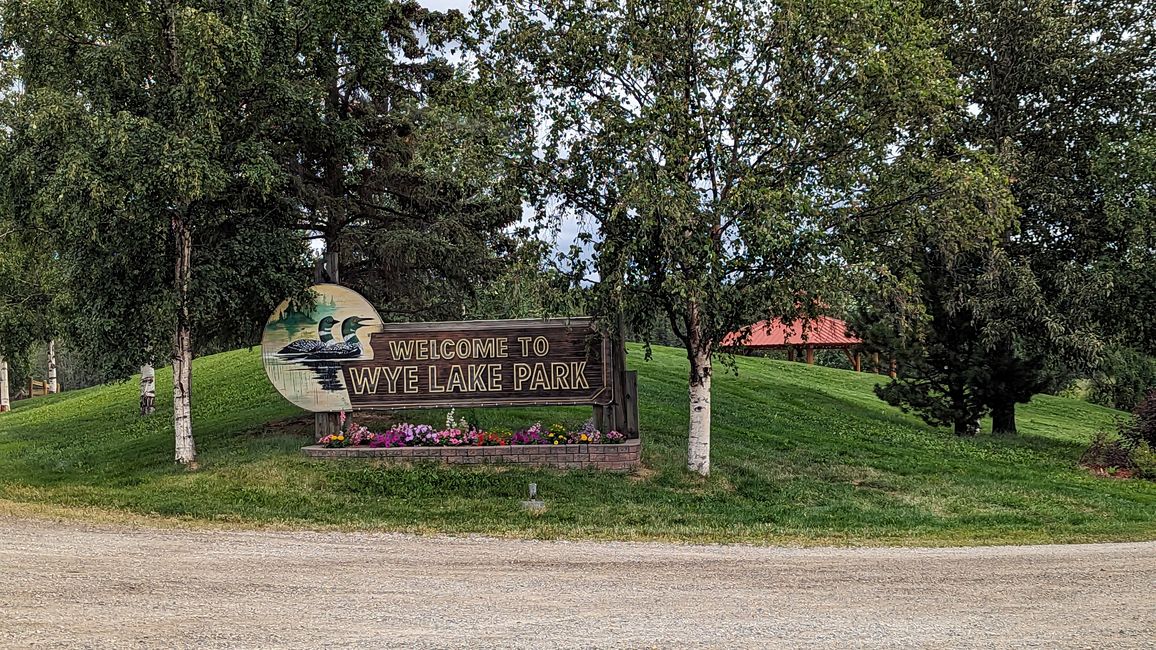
(391, 153)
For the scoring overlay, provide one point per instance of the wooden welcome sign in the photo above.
(340, 356)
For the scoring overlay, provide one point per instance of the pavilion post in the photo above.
(810, 355)
(790, 353)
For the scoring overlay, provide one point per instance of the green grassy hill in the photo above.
(801, 455)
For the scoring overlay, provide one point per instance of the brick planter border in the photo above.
(615, 458)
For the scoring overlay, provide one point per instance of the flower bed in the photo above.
(555, 446)
(458, 433)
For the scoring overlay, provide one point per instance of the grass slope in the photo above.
(801, 454)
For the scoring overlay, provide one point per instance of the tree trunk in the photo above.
(1003, 418)
(148, 389)
(5, 399)
(53, 386)
(698, 445)
(698, 449)
(964, 424)
(332, 268)
(186, 452)
(966, 427)
(327, 423)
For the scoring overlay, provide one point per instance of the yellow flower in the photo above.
(583, 438)
(341, 438)
(555, 442)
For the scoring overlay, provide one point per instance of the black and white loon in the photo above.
(310, 346)
(349, 347)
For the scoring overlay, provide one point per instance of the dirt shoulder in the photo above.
(69, 584)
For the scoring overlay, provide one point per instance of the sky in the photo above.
(442, 5)
(569, 228)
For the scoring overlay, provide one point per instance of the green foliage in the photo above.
(711, 189)
(529, 286)
(802, 455)
(31, 298)
(1144, 460)
(1122, 378)
(711, 146)
(393, 156)
(126, 129)
(923, 272)
(1057, 94)
(1054, 96)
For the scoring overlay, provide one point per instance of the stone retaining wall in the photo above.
(617, 458)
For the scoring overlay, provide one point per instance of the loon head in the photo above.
(325, 329)
(350, 325)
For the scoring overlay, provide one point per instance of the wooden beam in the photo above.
(631, 405)
(810, 356)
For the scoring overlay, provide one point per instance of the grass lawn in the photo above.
(801, 455)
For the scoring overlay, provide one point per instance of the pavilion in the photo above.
(820, 333)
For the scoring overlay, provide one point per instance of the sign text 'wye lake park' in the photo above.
(479, 363)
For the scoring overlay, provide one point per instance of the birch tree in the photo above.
(32, 293)
(134, 144)
(53, 384)
(716, 147)
(148, 389)
(5, 397)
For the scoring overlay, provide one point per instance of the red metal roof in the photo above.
(823, 331)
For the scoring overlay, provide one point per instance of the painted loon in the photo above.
(309, 346)
(350, 347)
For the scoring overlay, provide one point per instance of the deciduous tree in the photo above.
(134, 144)
(717, 146)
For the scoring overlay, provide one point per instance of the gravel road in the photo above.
(94, 586)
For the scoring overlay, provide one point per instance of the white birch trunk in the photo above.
(148, 389)
(698, 446)
(5, 400)
(53, 386)
(186, 451)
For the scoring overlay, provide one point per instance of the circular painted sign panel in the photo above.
(303, 351)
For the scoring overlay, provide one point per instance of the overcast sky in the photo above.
(446, 4)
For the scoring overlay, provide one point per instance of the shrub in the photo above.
(1144, 460)
(1142, 428)
(1107, 451)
